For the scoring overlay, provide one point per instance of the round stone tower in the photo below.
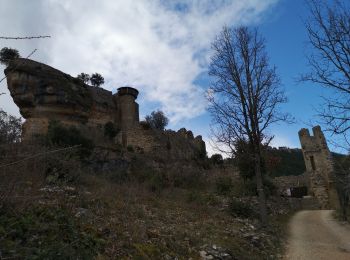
(128, 109)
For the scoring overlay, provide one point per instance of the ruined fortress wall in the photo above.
(319, 167)
(285, 182)
(167, 144)
(43, 93)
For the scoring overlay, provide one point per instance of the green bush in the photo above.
(62, 169)
(157, 120)
(10, 128)
(130, 148)
(145, 125)
(118, 176)
(46, 233)
(269, 187)
(247, 187)
(240, 209)
(157, 182)
(186, 178)
(60, 135)
(223, 185)
(110, 130)
(194, 196)
(7, 55)
(216, 159)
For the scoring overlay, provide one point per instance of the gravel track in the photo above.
(314, 234)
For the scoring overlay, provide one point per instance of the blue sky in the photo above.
(286, 42)
(162, 48)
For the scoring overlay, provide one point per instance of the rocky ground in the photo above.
(128, 221)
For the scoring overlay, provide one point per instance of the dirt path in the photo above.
(314, 234)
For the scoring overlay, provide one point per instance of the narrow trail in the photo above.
(314, 234)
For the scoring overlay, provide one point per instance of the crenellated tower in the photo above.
(319, 167)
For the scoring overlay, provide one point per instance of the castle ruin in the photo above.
(43, 93)
(319, 167)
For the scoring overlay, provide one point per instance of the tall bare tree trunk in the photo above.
(261, 192)
(244, 96)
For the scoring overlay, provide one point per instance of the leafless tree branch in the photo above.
(328, 30)
(24, 38)
(245, 95)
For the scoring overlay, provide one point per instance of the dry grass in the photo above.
(133, 221)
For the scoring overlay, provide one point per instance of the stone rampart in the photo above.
(43, 93)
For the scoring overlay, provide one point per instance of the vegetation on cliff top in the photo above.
(7, 55)
(147, 210)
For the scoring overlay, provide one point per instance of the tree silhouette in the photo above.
(84, 77)
(97, 80)
(157, 120)
(8, 54)
(244, 96)
(328, 29)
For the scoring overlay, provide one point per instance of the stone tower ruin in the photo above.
(319, 167)
(44, 94)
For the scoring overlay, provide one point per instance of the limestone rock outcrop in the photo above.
(43, 93)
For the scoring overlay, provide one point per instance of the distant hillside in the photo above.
(285, 161)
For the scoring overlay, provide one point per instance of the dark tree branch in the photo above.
(328, 29)
(24, 38)
(244, 97)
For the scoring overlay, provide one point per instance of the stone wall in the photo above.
(43, 93)
(285, 182)
(167, 144)
(319, 167)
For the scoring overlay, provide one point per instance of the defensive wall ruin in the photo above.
(320, 174)
(43, 93)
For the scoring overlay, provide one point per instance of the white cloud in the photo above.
(214, 147)
(159, 47)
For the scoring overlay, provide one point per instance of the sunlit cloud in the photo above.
(159, 47)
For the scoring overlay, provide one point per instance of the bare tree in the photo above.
(342, 178)
(10, 128)
(328, 28)
(244, 96)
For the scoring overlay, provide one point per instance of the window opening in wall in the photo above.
(312, 160)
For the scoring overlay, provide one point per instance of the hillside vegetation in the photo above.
(285, 162)
(55, 206)
(59, 201)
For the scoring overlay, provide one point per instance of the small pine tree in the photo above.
(84, 77)
(7, 55)
(97, 80)
(111, 130)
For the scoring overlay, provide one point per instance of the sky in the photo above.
(162, 48)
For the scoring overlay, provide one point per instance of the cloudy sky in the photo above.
(160, 47)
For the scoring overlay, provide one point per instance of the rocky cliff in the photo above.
(43, 93)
